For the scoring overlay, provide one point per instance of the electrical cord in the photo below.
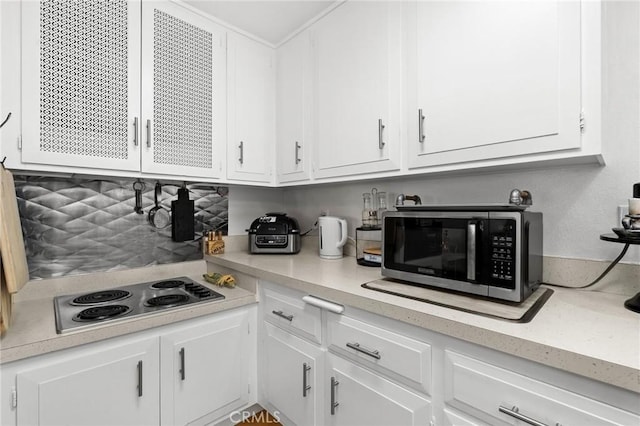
(315, 225)
(606, 271)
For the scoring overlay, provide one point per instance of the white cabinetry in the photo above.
(492, 80)
(291, 358)
(205, 368)
(360, 397)
(183, 119)
(357, 89)
(122, 86)
(293, 109)
(494, 395)
(193, 372)
(81, 83)
(105, 384)
(251, 104)
(293, 376)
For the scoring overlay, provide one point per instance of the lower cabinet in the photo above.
(493, 395)
(366, 369)
(192, 372)
(114, 385)
(205, 369)
(360, 397)
(293, 376)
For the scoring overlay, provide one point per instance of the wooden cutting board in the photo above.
(14, 258)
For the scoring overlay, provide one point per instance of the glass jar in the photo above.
(368, 212)
(382, 206)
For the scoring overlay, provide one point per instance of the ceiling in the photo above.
(269, 20)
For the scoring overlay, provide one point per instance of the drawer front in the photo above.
(386, 351)
(290, 312)
(498, 396)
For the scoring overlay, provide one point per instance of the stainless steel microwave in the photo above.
(491, 251)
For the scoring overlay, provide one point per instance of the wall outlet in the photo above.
(622, 212)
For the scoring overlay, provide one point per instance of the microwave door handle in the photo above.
(471, 250)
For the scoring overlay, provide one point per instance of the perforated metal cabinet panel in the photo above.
(79, 72)
(184, 74)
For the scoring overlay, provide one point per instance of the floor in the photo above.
(261, 418)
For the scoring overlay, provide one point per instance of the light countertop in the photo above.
(33, 330)
(584, 332)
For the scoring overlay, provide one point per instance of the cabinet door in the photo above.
(251, 110)
(205, 368)
(292, 376)
(119, 385)
(357, 89)
(355, 396)
(493, 79)
(183, 91)
(81, 83)
(293, 109)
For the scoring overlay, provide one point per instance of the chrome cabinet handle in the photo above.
(135, 131)
(282, 315)
(182, 370)
(139, 378)
(298, 160)
(514, 412)
(241, 146)
(148, 133)
(380, 132)
(421, 136)
(305, 386)
(357, 347)
(334, 403)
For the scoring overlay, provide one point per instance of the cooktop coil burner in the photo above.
(101, 313)
(168, 284)
(168, 300)
(81, 311)
(101, 297)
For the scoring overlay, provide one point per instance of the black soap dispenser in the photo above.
(182, 217)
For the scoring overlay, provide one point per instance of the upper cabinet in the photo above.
(293, 109)
(251, 103)
(357, 63)
(183, 119)
(96, 96)
(81, 83)
(491, 80)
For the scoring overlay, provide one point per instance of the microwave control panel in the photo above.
(502, 249)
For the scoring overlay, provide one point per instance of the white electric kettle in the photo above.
(333, 236)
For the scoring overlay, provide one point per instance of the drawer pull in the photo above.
(282, 315)
(323, 304)
(514, 412)
(334, 404)
(357, 347)
(305, 386)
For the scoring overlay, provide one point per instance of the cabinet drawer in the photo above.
(481, 389)
(389, 352)
(290, 312)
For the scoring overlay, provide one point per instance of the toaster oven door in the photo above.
(447, 245)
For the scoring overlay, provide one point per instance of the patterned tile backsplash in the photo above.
(76, 226)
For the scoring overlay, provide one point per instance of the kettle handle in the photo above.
(343, 231)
